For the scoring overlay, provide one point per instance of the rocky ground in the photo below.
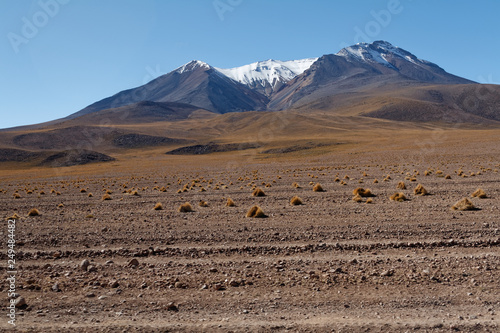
(330, 265)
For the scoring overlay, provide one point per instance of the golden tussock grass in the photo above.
(420, 190)
(185, 208)
(479, 193)
(295, 201)
(106, 197)
(135, 193)
(17, 196)
(337, 179)
(158, 206)
(60, 205)
(295, 185)
(34, 212)
(369, 201)
(230, 203)
(318, 188)
(401, 186)
(90, 195)
(15, 216)
(400, 197)
(375, 181)
(447, 177)
(256, 212)
(203, 203)
(83, 190)
(362, 192)
(463, 205)
(258, 192)
(357, 198)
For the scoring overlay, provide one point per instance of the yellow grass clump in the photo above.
(420, 190)
(362, 192)
(375, 181)
(158, 206)
(464, 204)
(479, 193)
(369, 201)
(135, 193)
(185, 208)
(17, 196)
(295, 185)
(60, 205)
(357, 198)
(203, 203)
(230, 202)
(318, 188)
(447, 177)
(256, 212)
(401, 186)
(258, 192)
(83, 190)
(90, 195)
(295, 201)
(33, 212)
(400, 197)
(106, 197)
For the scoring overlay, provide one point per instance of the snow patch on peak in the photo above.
(192, 65)
(270, 71)
(377, 52)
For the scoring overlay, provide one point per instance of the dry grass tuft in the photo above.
(15, 216)
(295, 201)
(135, 193)
(60, 205)
(357, 198)
(203, 203)
(185, 208)
(401, 186)
(34, 212)
(375, 181)
(464, 204)
(256, 212)
(400, 197)
(369, 201)
(258, 192)
(420, 190)
(17, 196)
(83, 190)
(447, 177)
(295, 185)
(318, 188)
(90, 195)
(106, 197)
(362, 192)
(158, 206)
(230, 203)
(479, 193)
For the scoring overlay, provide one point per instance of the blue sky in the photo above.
(58, 56)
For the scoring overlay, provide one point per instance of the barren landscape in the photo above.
(335, 263)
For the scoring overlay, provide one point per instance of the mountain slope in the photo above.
(195, 83)
(360, 67)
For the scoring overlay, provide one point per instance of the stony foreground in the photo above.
(332, 264)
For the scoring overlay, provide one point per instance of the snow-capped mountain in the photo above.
(268, 76)
(277, 85)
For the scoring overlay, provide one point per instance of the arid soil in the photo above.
(330, 265)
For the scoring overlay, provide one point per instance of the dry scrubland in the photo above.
(155, 243)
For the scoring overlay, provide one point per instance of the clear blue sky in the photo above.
(81, 51)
